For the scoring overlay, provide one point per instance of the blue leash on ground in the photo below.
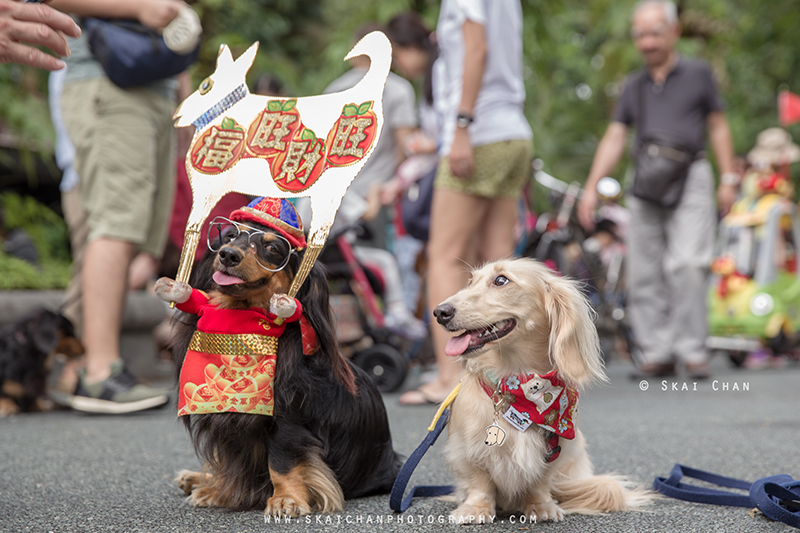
(396, 500)
(778, 497)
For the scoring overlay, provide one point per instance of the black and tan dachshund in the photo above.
(328, 439)
(25, 350)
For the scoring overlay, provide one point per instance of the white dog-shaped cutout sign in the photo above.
(310, 146)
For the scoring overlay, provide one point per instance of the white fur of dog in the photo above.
(553, 331)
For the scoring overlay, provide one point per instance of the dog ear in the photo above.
(42, 330)
(574, 345)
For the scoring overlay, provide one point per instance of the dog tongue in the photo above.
(222, 278)
(457, 345)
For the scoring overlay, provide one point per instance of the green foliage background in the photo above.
(48, 232)
(751, 45)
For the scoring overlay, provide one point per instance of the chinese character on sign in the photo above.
(349, 135)
(272, 131)
(352, 136)
(298, 163)
(219, 148)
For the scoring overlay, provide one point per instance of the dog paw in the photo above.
(545, 512)
(188, 480)
(205, 496)
(282, 305)
(8, 407)
(286, 506)
(468, 514)
(170, 290)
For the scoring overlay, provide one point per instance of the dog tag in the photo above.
(495, 435)
(517, 419)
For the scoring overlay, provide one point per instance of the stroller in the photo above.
(559, 242)
(360, 327)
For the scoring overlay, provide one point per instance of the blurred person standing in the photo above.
(486, 156)
(400, 120)
(124, 159)
(675, 99)
(414, 53)
(361, 202)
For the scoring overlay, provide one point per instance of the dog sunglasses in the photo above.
(274, 251)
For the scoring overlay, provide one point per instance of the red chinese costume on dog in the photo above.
(230, 364)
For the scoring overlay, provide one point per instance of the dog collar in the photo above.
(220, 107)
(545, 401)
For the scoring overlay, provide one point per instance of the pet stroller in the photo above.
(360, 327)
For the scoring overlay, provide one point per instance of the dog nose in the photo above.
(230, 256)
(444, 313)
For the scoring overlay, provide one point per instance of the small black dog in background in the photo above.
(25, 350)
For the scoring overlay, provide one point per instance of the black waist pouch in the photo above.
(662, 166)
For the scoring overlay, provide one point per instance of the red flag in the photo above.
(788, 108)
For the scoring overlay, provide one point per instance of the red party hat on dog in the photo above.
(276, 213)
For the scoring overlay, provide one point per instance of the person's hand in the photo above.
(157, 14)
(391, 191)
(34, 24)
(586, 207)
(418, 143)
(726, 196)
(462, 164)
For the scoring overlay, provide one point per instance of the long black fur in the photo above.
(24, 348)
(315, 414)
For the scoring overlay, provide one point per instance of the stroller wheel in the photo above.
(384, 364)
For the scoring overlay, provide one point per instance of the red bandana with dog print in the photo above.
(545, 401)
(230, 363)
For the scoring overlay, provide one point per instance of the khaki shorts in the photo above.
(501, 169)
(125, 159)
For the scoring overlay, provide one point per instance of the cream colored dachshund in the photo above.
(527, 342)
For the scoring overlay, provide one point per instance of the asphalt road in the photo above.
(70, 472)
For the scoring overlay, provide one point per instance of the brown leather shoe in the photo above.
(654, 370)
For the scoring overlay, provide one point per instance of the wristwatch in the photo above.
(463, 120)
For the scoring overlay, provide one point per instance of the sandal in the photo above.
(417, 397)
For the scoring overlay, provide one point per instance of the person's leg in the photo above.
(397, 316)
(471, 221)
(506, 167)
(456, 220)
(497, 239)
(648, 292)
(75, 217)
(385, 260)
(105, 275)
(690, 245)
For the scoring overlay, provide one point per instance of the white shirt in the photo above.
(498, 112)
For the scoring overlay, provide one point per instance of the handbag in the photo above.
(662, 163)
(132, 54)
(416, 206)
